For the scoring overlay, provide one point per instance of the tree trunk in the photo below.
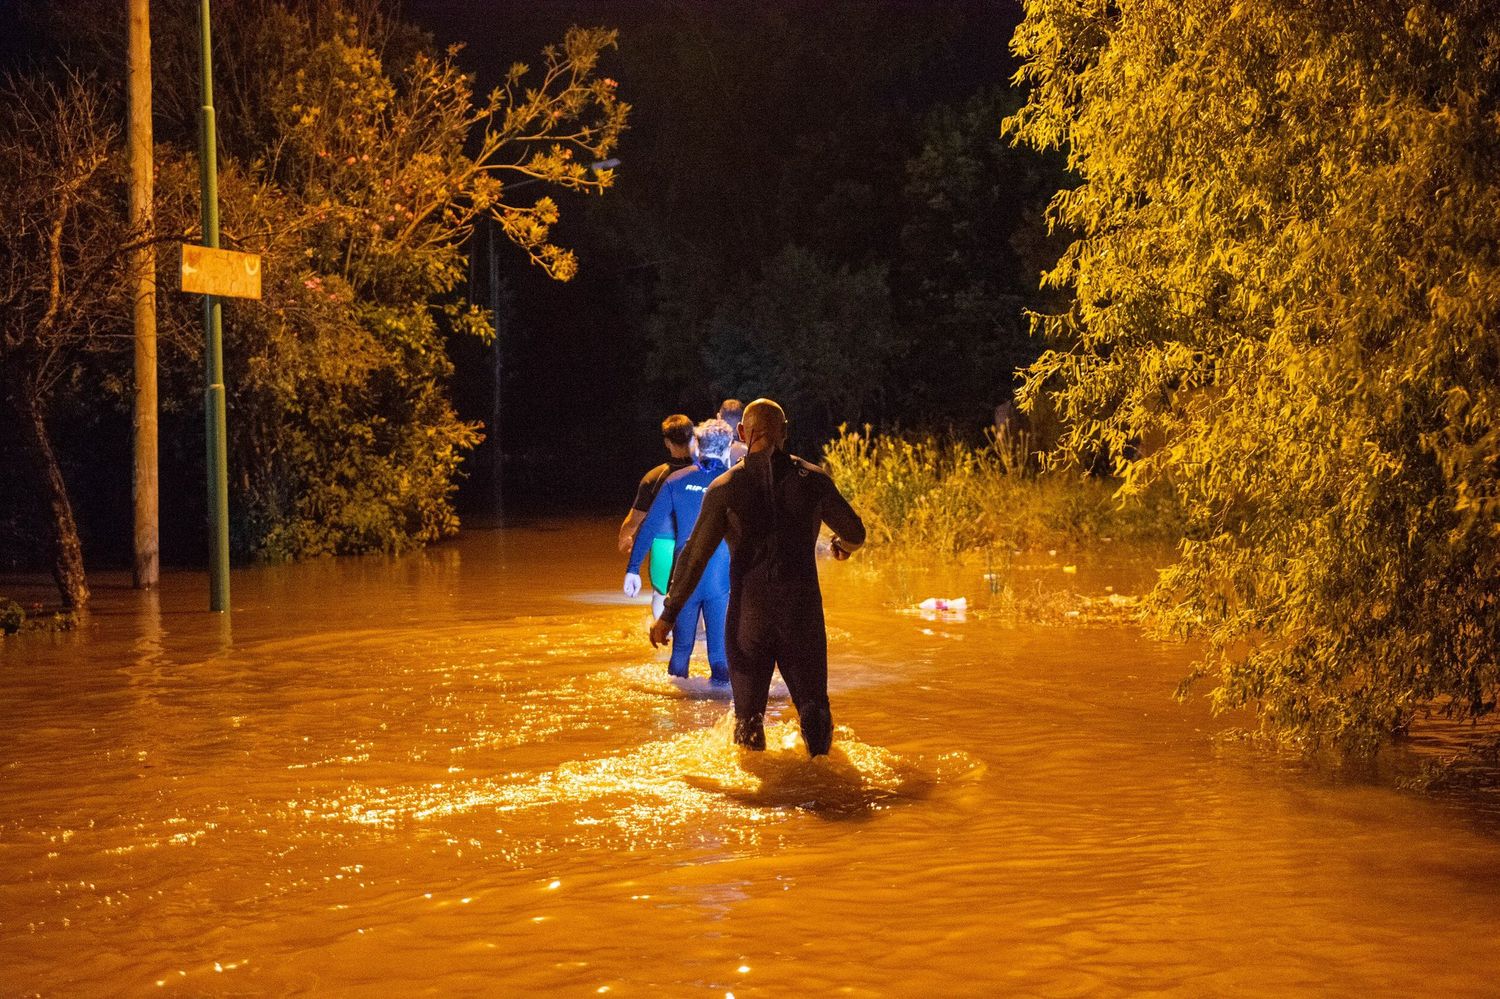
(67, 550)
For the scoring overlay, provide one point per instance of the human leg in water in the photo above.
(817, 726)
(715, 611)
(750, 732)
(684, 635)
(802, 657)
(750, 669)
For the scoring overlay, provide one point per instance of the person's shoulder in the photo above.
(806, 468)
(685, 472)
(654, 474)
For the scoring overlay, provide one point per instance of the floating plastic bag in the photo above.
(944, 604)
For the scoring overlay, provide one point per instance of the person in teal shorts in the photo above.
(675, 510)
(677, 435)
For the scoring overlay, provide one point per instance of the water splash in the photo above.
(661, 793)
(652, 678)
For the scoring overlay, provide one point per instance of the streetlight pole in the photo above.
(213, 336)
(147, 547)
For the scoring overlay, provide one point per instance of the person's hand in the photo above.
(632, 584)
(625, 541)
(661, 632)
(839, 554)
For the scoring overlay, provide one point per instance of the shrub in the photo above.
(12, 616)
(1285, 277)
(947, 498)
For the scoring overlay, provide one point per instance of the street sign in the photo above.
(206, 271)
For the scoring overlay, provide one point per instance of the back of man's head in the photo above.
(730, 412)
(764, 424)
(677, 429)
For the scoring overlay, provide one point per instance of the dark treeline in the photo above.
(814, 203)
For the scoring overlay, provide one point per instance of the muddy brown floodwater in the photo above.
(463, 772)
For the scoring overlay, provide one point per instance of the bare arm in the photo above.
(628, 530)
(848, 529)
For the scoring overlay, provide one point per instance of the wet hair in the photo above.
(677, 429)
(714, 437)
(730, 412)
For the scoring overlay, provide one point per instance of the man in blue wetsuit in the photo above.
(769, 508)
(674, 512)
(677, 435)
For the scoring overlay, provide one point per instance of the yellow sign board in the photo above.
(206, 271)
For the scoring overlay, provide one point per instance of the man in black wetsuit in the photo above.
(770, 508)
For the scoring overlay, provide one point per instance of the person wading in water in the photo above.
(677, 435)
(673, 514)
(769, 507)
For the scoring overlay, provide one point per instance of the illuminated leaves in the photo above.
(531, 229)
(387, 152)
(1288, 307)
(373, 160)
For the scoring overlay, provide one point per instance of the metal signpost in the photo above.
(215, 273)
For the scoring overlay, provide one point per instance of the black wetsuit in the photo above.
(770, 507)
(651, 482)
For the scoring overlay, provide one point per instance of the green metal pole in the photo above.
(213, 335)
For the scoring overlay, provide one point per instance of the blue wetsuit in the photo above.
(673, 512)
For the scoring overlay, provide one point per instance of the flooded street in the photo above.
(464, 771)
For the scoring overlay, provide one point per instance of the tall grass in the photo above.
(940, 496)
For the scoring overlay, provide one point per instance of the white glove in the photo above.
(632, 584)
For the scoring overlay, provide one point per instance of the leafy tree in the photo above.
(1287, 276)
(775, 125)
(359, 181)
(815, 337)
(358, 166)
(973, 244)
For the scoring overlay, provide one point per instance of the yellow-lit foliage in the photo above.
(406, 157)
(358, 163)
(1287, 274)
(927, 496)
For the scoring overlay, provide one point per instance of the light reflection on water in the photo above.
(462, 772)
